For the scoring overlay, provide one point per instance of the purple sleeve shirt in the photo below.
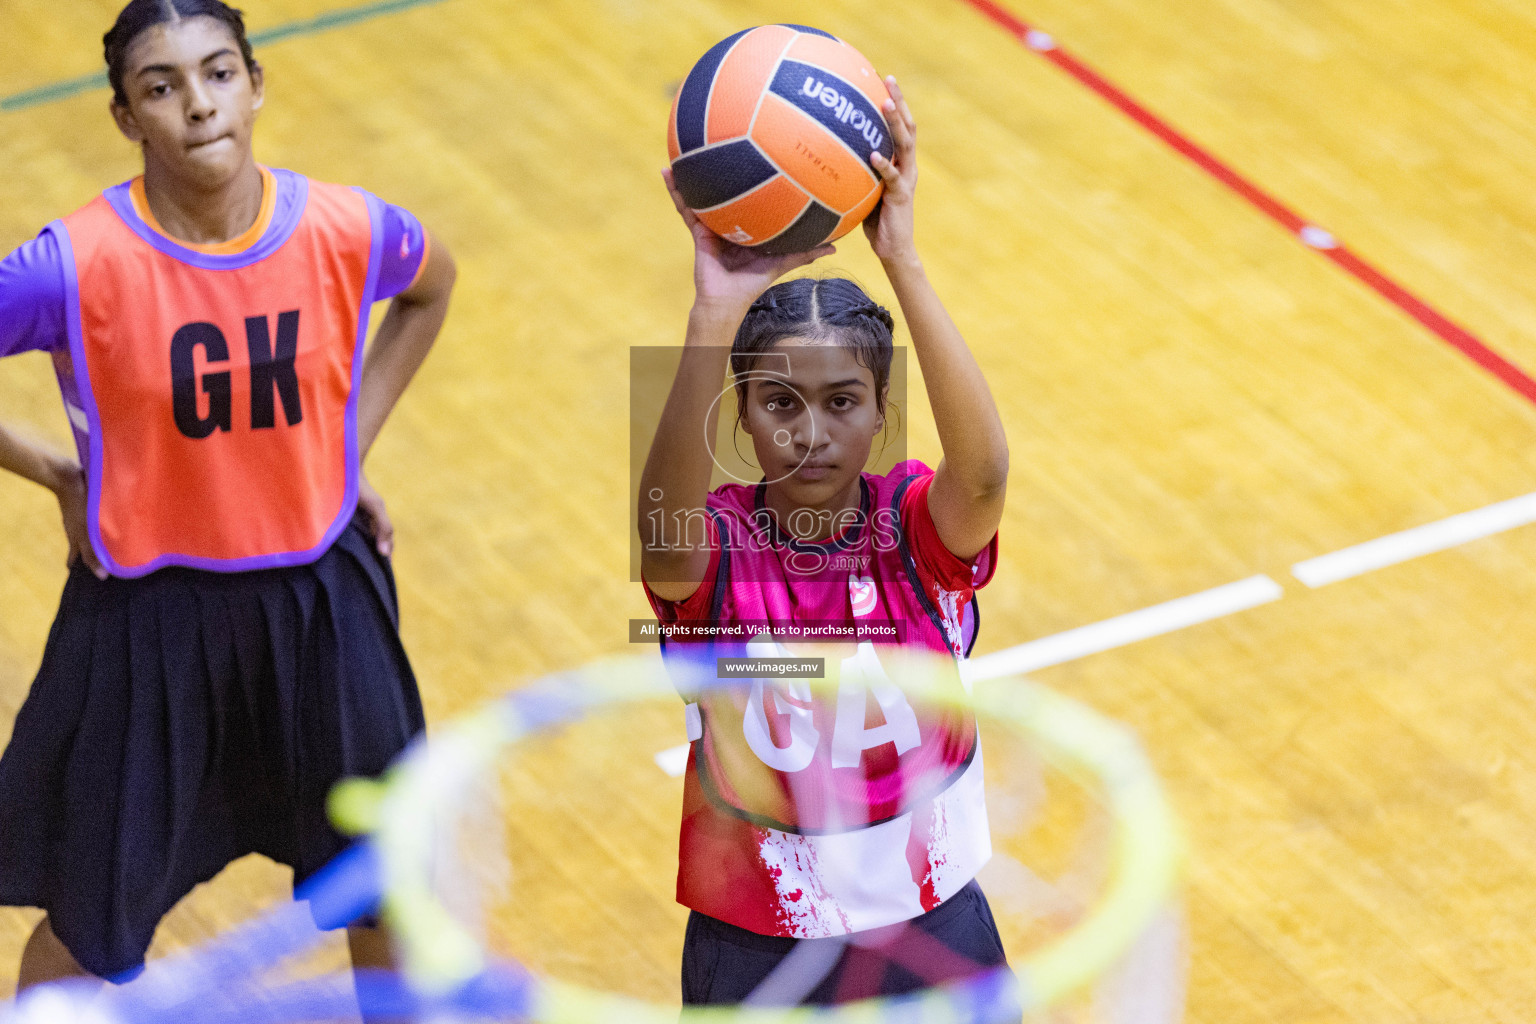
(32, 312)
(404, 250)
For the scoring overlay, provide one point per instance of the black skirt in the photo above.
(724, 964)
(185, 719)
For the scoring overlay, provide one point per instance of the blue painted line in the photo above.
(305, 27)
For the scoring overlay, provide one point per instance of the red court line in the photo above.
(1311, 235)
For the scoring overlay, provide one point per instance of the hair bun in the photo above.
(879, 312)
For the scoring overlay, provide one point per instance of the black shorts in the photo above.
(187, 718)
(723, 964)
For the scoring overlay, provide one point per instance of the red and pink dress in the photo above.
(808, 816)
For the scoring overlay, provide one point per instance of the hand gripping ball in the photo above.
(770, 138)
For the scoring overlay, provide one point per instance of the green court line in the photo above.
(305, 27)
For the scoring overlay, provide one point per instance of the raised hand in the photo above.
(890, 227)
(726, 273)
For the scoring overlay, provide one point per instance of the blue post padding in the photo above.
(501, 991)
(345, 889)
(385, 994)
(996, 996)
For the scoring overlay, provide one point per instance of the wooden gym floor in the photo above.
(1192, 396)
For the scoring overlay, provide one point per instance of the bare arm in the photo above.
(675, 481)
(61, 475)
(969, 487)
(402, 342)
(399, 347)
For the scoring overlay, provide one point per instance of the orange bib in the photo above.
(221, 389)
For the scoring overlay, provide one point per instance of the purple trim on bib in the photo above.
(87, 394)
(292, 197)
(285, 559)
(284, 221)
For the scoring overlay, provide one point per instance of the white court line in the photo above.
(673, 760)
(1091, 639)
(1126, 629)
(1421, 540)
(1225, 600)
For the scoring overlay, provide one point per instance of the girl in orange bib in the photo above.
(226, 646)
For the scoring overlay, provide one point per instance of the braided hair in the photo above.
(141, 15)
(833, 309)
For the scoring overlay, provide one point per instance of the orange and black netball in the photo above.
(771, 135)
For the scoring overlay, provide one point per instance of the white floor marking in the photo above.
(673, 760)
(1040, 42)
(1318, 238)
(1226, 600)
(1421, 540)
(1100, 636)
(1126, 629)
